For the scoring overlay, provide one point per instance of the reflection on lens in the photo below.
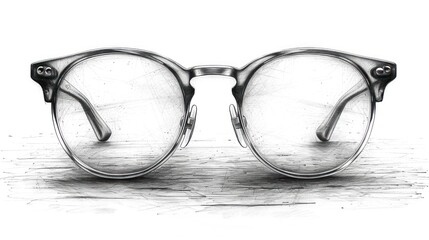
(139, 99)
(287, 100)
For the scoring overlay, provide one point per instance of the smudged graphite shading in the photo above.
(211, 177)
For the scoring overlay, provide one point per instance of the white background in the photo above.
(218, 32)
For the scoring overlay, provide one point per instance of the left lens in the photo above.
(138, 98)
(288, 98)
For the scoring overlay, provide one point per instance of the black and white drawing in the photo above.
(121, 113)
(190, 119)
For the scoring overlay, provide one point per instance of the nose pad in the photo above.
(189, 126)
(238, 127)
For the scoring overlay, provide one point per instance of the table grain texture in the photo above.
(211, 176)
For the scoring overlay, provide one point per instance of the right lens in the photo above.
(139, 99)
(286, 101)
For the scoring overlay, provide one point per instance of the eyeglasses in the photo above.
(304, 113)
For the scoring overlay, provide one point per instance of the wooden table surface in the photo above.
(211, 176)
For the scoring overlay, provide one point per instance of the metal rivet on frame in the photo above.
(40, 70)
(48, 71)
(383, 71)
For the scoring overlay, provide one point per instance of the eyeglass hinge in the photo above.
(383, 74)
(46, 76)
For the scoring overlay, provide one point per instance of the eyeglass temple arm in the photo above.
(327, 127)
(101, 129)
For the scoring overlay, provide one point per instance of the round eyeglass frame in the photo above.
(187, 90)
(321, 174)
(366, 66)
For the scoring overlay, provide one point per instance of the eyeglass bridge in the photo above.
(219, 70)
